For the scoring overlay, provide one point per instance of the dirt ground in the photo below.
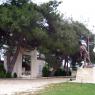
(16, 86)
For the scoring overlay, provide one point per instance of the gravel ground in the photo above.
(25, 86)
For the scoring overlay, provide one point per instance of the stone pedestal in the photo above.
(86, 75)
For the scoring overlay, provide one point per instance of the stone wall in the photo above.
(86, 75)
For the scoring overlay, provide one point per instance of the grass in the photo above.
(69, 89)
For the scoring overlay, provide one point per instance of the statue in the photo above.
(84, 54)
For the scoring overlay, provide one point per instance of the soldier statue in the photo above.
(84, 54)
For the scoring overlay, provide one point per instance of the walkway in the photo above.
(16, 86)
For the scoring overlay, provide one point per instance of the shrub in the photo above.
(2, 67)
(14, 75)
(2, 71)
(2, 74)
(61, 72)
(8, 75)
(68, 73)
(45, 72)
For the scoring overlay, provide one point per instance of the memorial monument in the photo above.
(85, 73)
(84, 54)
(29, 64)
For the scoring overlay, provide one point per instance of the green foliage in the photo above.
(2, 71)
(14, 75)
(19, 21)
(8, 75)
(2, 74)
(17, 3)
(28, 21)
(45, 71)
(28, 24)
(61, 72)
(1, 67)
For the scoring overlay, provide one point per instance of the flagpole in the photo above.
(88, 44)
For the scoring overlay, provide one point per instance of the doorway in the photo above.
(26, 64)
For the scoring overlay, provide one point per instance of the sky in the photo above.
(80, 10)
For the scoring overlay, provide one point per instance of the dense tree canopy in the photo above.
(23, 23)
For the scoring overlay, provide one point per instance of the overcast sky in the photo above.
(81, 10)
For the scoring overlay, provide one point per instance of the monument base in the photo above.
(86, 75)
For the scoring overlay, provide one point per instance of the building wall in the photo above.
(36, 64)
(18, 66)
(5, 63)
(40, 65)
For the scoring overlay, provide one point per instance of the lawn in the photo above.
(69, 89)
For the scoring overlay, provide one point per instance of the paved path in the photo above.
(15, 86)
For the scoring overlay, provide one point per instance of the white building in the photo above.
(34, 64)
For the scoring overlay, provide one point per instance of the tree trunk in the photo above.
(11, 62)
(66, 63)
(8, 61)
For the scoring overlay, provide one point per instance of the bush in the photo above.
(68, 73)
(8, 75)
(2, 67)
(45, 72)
(14, 75)
(61, 72)
(2, 74)
(2, 71)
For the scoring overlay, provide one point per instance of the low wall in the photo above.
(86, 75)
